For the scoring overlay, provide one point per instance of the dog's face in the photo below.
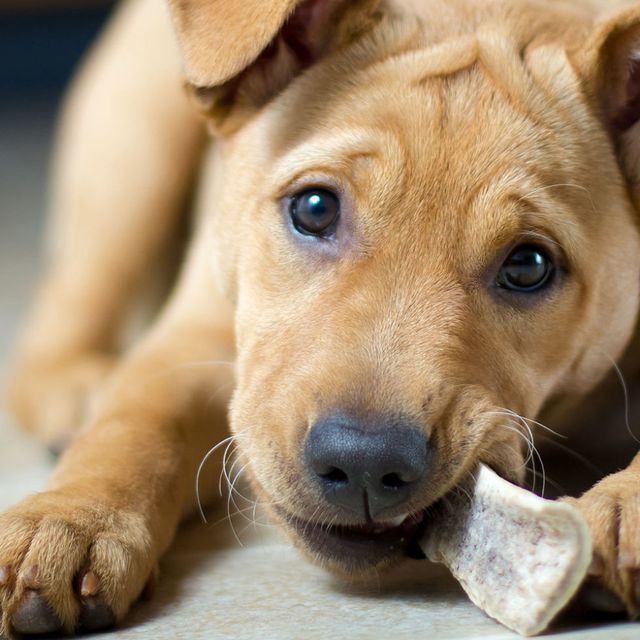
(420, 239)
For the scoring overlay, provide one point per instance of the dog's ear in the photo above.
(610, 63)
(239, 53)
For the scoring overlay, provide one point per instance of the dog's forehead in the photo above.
(454, 151)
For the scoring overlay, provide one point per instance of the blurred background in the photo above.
(41, 42)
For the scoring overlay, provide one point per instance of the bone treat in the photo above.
(519, 558)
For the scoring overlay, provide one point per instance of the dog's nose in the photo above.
(366, 467)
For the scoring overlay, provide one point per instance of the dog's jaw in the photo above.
(356, 549)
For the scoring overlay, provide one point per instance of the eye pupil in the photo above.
(527, 269)
(314, 212)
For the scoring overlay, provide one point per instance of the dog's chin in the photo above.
(357, 549)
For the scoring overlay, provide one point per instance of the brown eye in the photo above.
(528, 269)
(314, 212)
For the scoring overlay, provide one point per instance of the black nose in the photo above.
(366, 466)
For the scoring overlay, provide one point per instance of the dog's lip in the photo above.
(361, 546)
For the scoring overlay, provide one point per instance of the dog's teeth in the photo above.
(396, 522)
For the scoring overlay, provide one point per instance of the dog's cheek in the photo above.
(268, 430)
(613, 306)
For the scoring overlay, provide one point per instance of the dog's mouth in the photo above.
(363, 546)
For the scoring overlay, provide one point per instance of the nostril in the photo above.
(387, 459)
(335, 476)
(393, 481)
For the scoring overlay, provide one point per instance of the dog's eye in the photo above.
(527, 269)
(314, 212)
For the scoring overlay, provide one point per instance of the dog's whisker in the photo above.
(544, 427)
(233, 484)
(225, 460)
(226, 441)
(536, 453)
(543, 472)
(578, 456)
(232, 487)
(201, 467)
(528, 438)
(512, 427)
(230, 496)
(625, 391)
(311, 521)
(528, 420)
(550, 481)
(534, 450)
(231, 524)
(244, 510)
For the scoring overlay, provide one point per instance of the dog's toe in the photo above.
(95, 615)
(33, 615)
(69, 563)
(612, 511)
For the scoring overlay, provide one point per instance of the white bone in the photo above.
(519, 558)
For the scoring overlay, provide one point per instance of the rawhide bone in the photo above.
(520, 558)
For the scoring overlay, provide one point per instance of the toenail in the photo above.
(90, 585)
(35, 616)
(5, 573)
(95, 615)
(30, 578)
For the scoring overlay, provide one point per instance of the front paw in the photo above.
(612, 511)
(52, 398)
(70, 564)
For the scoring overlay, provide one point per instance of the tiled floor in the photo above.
(211, 587)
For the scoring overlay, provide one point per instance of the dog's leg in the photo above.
(612, 511)
(127, 148)
(78, 554)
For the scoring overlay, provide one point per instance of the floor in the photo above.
(212, 587)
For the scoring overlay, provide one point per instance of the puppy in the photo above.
(414, 218)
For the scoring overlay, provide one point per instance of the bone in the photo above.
(520, 558)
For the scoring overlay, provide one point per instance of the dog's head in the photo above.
(425, 215)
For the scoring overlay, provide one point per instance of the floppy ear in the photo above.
(239, 53)
(610, 61)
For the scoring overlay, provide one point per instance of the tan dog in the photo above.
(423, 211)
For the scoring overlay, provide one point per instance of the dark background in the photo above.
(41, 42)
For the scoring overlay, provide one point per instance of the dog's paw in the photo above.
(52, 398)
(612, 511)
(68, 564)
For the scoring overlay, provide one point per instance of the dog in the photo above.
(414, 220)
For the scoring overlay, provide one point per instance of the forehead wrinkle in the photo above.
(336, 153)
(502, 211)
(439, 60)
(504, 63)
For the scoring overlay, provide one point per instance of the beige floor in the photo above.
(211, 586)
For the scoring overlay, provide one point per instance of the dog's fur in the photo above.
(451, 129)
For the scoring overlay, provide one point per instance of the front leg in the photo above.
(78, 555)
(612, 511)
(127, 148)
